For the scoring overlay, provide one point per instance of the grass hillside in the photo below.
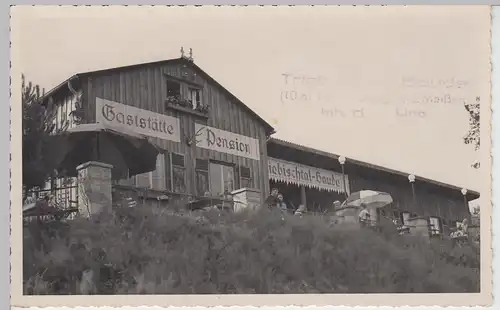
(150, 251)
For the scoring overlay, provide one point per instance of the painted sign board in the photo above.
(140, 121)
(298, 174)
(226, 142)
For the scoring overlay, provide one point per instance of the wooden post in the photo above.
(303, 198)
(414, 196)
(344, 183)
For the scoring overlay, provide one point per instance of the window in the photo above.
(185, 96)
(194, 97)
(202, 180)
(168, 171)
(61, 114)
(47, 185)
(221, 178)
(164, 176)
(58, 117)
(154, 180)
(173, 89)
(178, 173)
(143, 180)
(55, 122)
(64, 113)
(245, 177)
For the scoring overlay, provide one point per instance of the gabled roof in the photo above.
(471, 194)
(63, 87)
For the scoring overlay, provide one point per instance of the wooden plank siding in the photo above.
(429, 200)
(145, 87)
(65, 104)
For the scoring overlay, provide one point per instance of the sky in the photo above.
(385, 85)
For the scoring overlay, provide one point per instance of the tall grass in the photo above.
(151, 251)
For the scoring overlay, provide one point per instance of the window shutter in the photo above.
(178, 160)
(202, 164)
(127, 182)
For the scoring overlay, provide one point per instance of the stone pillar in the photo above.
(94, 187)
(303, 197)
(246, 198)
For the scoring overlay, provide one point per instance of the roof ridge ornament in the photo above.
(190, 57)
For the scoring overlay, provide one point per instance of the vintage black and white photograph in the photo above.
(251, 150)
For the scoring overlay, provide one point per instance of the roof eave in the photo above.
(269, 129)
(58, 88)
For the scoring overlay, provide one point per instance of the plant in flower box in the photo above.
(184, 103)
(173, 100)
(203, 108)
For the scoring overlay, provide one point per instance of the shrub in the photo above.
(149, 250)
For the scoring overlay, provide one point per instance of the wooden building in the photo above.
(424, 198)
(210, 140)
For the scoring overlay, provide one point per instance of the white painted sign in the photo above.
(226, 142)
(293, 173)
(137, 120)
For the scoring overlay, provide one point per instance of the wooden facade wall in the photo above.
(65, 105)
(65, 192)
(145, 87)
